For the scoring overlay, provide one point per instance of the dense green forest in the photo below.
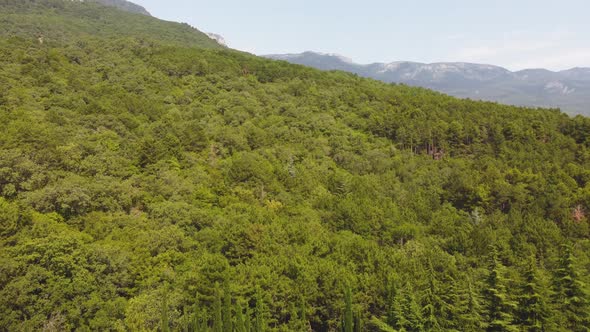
(151, 180)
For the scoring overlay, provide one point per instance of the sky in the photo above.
(515, 34)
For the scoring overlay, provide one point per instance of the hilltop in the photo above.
(124, 5)
(59, 22)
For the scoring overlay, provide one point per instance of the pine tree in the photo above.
(348, 322)
(411, 311)
(199, 321)
(358, 322)
(469, 309)
(164, 321)
(449, 296)
(532, 307)
(396, 317)
(433, 306)
(259, 312)
(303, 315)
(498, 307)
(391, 297)
(570, 298)
(217, 315)
(293, 315)
(204, 321)
(226, 309)
(248, 320)
(240, 324)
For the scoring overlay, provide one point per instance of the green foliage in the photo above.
(570, 296)
(226, 310)
(240, 325)
(348, 320)
(135, 154)
(259, 312)
(498, 305)
(217, 311)
(164, 321)
(533, 313)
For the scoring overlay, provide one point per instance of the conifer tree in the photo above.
(293, 315)
(195, 319)
(248, 320)
(498, 307)
(240, 324)
(204, 321)
(303, 314)
(164, 321)
(396, 317)
(226, 309)
(449, 296)
(532, 306)
(469, 309)
(348, 321)
(570, 297)
(391, 299)
(217, 311)
(432, 304)
(411, 311)
(199, 321)
(358, 322)
(259, 312)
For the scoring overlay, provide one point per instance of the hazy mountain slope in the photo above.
(61, 21)
(568, 90)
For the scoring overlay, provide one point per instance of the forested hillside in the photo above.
(63, 21)
(150, 183)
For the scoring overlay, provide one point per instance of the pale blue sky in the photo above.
(515, 34)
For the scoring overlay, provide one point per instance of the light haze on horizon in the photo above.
(515, 34)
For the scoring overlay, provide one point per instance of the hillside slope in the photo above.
(568, 89)
(124, 5)
(59, 21)
(147, 184)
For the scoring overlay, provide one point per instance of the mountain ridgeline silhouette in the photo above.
(568, 89)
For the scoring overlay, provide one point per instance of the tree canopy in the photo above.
(150, 180)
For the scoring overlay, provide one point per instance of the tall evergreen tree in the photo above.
(259, 324)
(303, 314)
(226, 309)
(433, 306)
(348, 322)
(469, 317)
(498, 307)
(248, 320)
(199, 321)
(165, 319)
(396, 317)
(449, 295)
(532, 305)
(217, 311)
(240, 323)
(411, 311)
(358, 322)
(570, 297)
(390, 297)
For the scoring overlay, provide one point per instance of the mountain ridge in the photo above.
(349, 60)
(537, 87)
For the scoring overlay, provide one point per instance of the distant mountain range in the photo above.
(568, 89)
